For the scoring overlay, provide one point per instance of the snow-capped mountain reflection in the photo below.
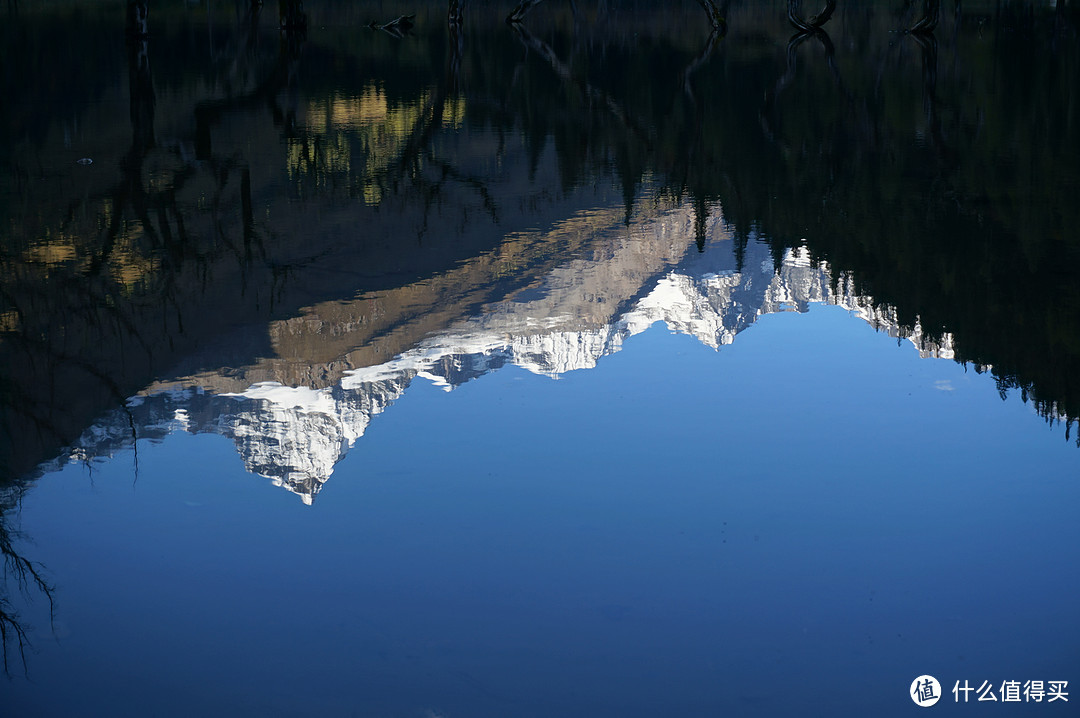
(580, 312)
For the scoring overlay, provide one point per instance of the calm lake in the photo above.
(626, 358)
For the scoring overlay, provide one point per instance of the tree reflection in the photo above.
(27, 579)
(769, 115)
(893, 157)
(814, 22)
(930, 17)
(958, 252)
(136, 255)
(936, 173)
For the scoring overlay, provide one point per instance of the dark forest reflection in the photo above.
(941, 180)
(255, 170)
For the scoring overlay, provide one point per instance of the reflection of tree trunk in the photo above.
(1061, 26)
(430, 119)
(419, 145)
(770, 115)
(929, 20)
(140, 85)
(768, 121)
(645, 140)
(141, 94)
(141, 99)
(928, 43)
(693, 146)
(251, 27)
(587, 89)
(283, 77)
(815, 21)
(138, 13)
(718, 33)
(522, 9)
(717, 15)
(455, 23)
(292, 17)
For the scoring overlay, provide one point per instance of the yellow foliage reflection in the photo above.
(351, 140)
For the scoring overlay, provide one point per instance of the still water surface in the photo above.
(609, 363)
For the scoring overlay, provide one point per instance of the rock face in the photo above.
(569, 319)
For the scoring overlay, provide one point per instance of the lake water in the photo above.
(615, 361)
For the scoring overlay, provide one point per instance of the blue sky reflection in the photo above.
(680, 529)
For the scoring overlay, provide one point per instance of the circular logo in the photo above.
(925, 691)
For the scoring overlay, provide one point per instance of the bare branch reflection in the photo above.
(28, 578)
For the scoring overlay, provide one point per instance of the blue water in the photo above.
(240, 263)
(798, 524)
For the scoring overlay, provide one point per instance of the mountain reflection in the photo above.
(280, 231)
(293, 417)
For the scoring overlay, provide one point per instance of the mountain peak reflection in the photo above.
(581, 311)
